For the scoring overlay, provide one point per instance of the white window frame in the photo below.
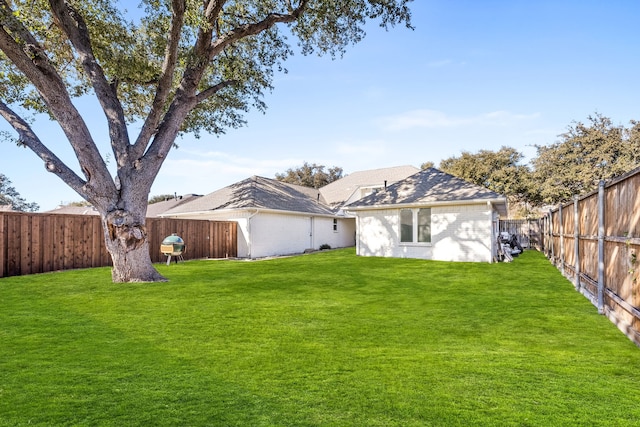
(335, 225)
(414, 227)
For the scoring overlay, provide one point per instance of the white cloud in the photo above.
(436, 119)
(202, 172)
(207, 163)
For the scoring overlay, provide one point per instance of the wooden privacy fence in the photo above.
(37, 243)
(528, 231)
(595, 242)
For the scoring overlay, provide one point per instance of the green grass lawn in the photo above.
(327, 339)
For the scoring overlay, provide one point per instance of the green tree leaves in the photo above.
(313, 175)
(583, 156)
(500, 171)
(10, 197)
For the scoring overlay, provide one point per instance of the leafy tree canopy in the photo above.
(427, 165)
(313, 175)
(79, 203)
(500, 171)
(585, 155)
(10, 197)
(161, 198)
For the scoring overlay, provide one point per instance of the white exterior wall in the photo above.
(263, 234)
(458, 233)
(343, 237)
(284, 234)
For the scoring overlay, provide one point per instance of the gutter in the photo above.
(179, 214)
(263, 210)
(427, 204)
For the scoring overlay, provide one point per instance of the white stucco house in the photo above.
(429, 215)
(276, 218)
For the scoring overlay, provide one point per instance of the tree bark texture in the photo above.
(127, 241)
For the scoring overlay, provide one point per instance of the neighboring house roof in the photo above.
(6, 208)
(258, 193)
(73, 210)
(342, 191)
(153, 210)
(156, 209)
(430, 186)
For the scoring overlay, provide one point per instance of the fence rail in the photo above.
(38, 243)
(595, 242)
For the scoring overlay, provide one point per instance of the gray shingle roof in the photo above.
(259, 193)
(73, 210)
(156, 209)
(339, 192)
(153, 210)
(429, 186)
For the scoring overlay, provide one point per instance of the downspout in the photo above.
(249, 238)
(358, 235)
(495, 229)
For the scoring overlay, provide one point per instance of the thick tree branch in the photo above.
(31, 59)
(73, 25)
(165, 81)
(52, 163)
(252, 29)
(212, 10)
(211, 91)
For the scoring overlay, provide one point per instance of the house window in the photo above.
(415, 225)
(424, 225)
(406, 225)
(335, 224)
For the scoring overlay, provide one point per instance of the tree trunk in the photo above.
(127, 243)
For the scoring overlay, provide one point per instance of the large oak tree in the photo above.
(177, 66)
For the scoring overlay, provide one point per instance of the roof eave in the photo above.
(498, 200)
(252, 209)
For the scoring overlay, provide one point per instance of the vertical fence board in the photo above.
(3, 244)
(46, 246)
(25, 245)
(13, 247)
(568, 220)
(36, 258)
(96, 239)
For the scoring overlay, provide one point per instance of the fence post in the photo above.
(561, 240)
(551, 251)
(576, 245)
(601, 247)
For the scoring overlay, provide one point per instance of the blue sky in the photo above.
(472, 75)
